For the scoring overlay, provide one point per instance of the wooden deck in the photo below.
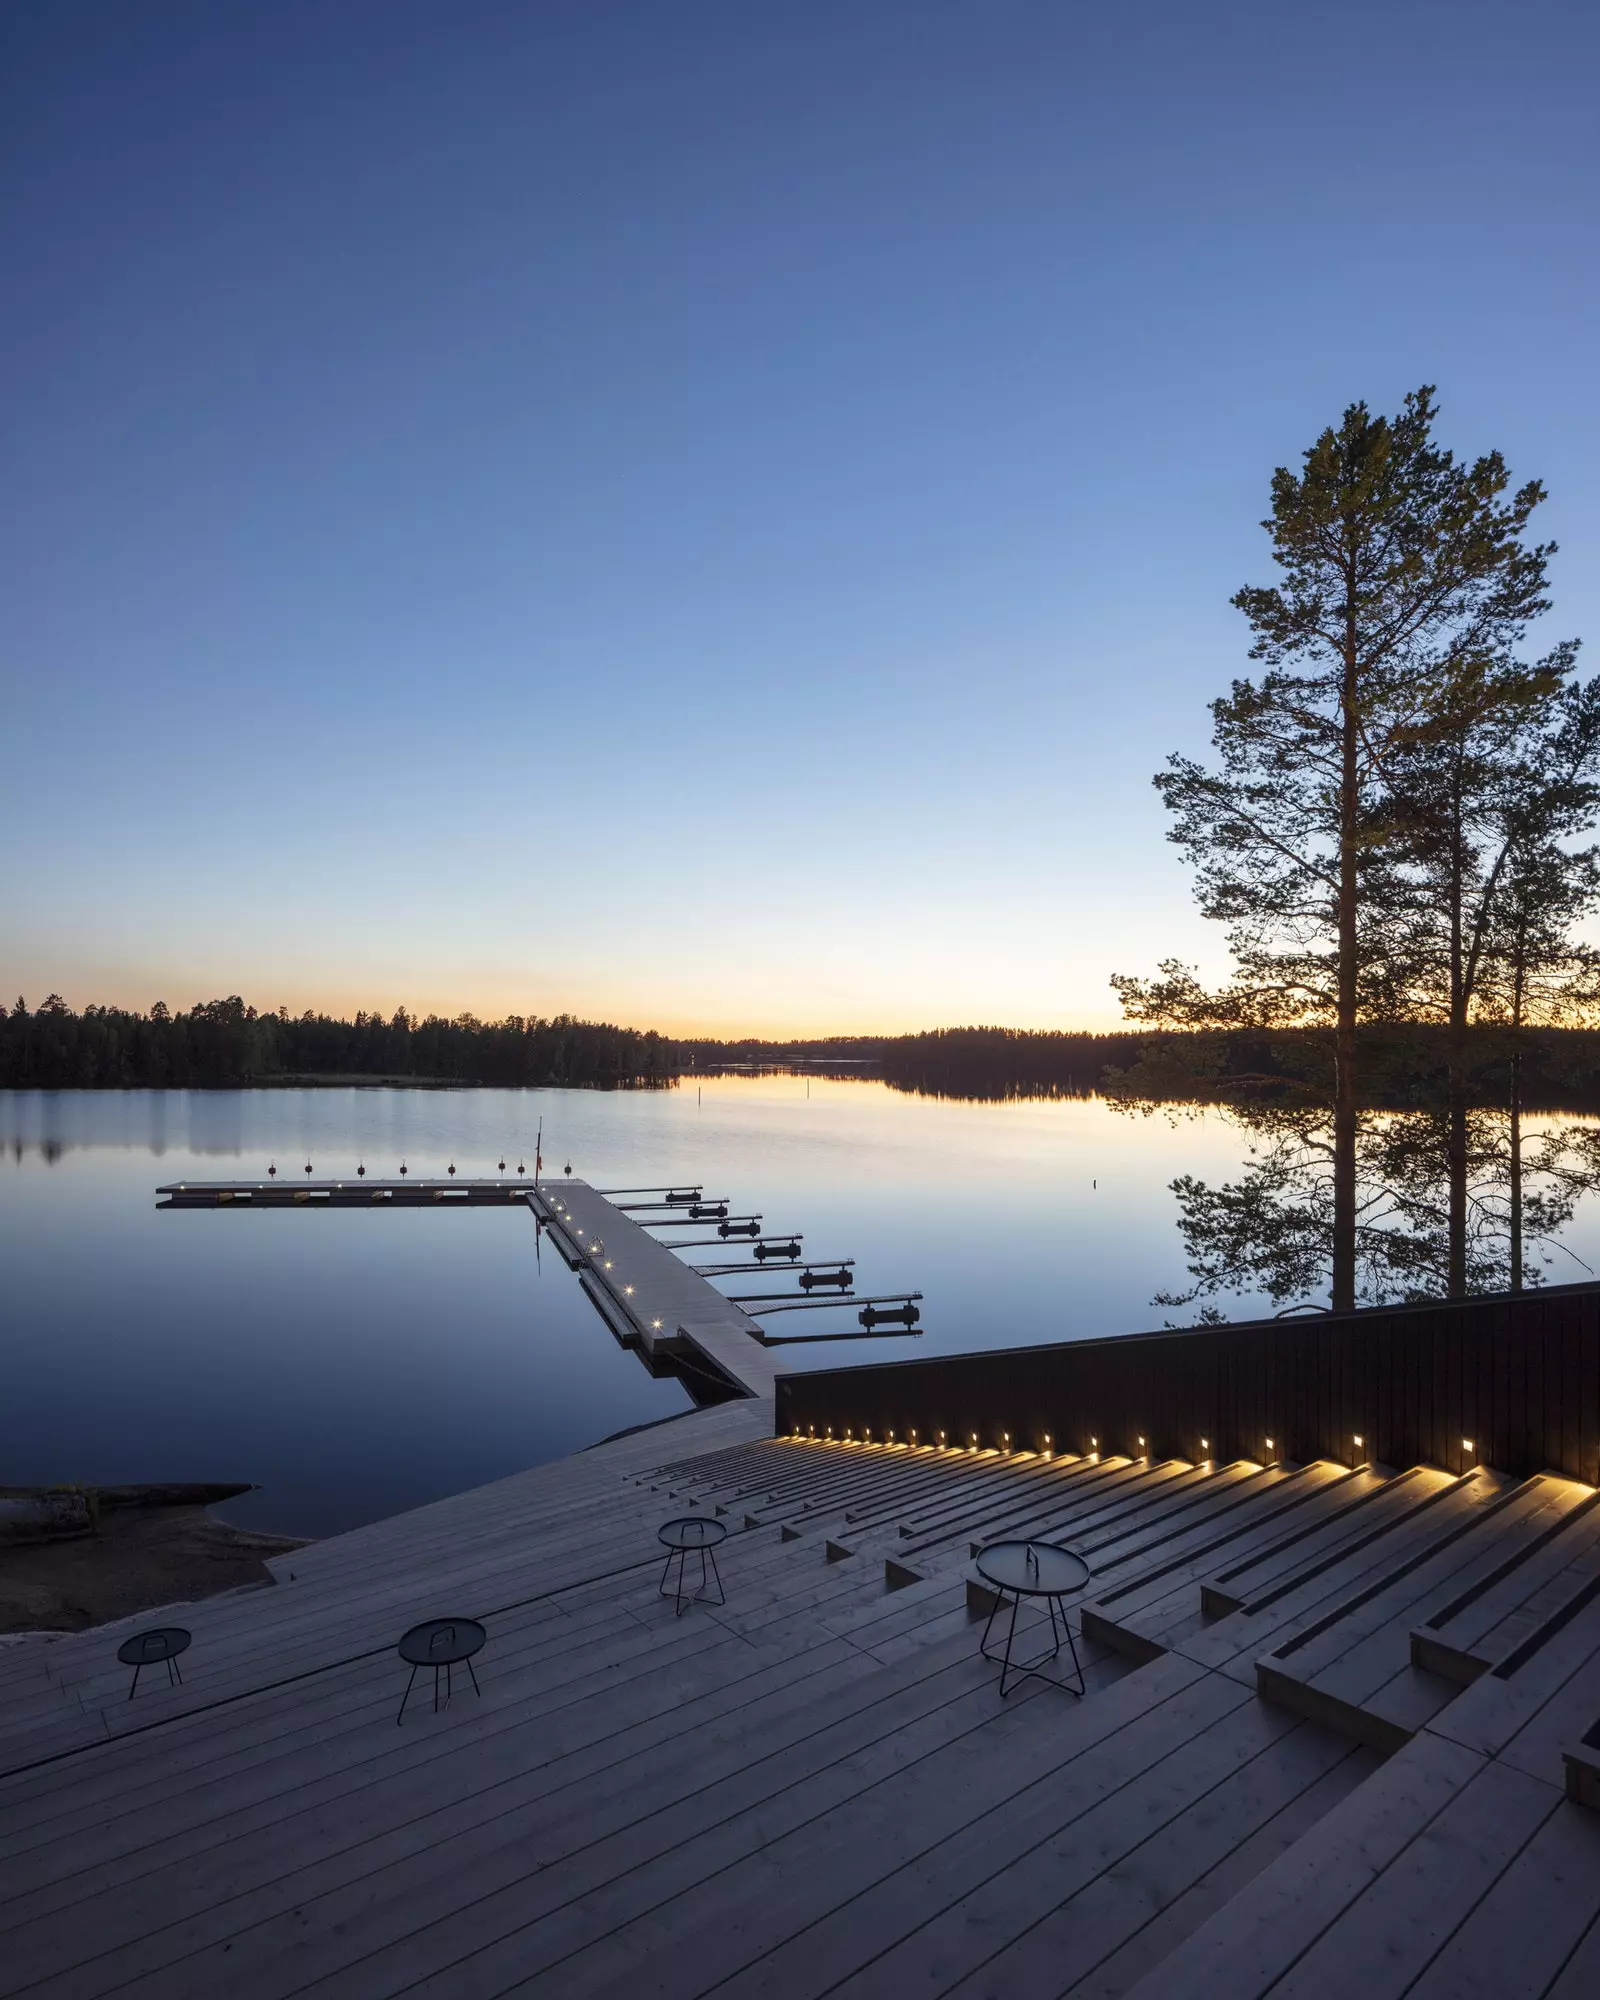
(1324, 1749)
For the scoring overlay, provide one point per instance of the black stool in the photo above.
(441, 1642)
(149, 1649)
(692, 1534)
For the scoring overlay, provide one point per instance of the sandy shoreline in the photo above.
(137, 1559)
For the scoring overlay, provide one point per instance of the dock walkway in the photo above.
(1360, 1769)
(647, 1296)
(646, 1292)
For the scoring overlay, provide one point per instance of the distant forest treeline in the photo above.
(1404, 1064)
(224, 1043)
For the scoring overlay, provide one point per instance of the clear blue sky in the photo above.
(710, 514)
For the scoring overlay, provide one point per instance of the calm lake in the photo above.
(354, 1363)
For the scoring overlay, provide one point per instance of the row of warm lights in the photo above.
(596, 1245)
(1046, 1442)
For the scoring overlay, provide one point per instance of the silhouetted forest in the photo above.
(1007, 1062)
(1404, 1063)
(224, 1043)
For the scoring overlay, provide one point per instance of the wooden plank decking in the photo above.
(816, 1789)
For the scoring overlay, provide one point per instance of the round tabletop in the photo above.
(145, 1648)
(693, 1531)
(442, 1642)
(1032, 1569)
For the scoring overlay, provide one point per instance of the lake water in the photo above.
(353, 1363)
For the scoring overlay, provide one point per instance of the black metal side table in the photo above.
(1034, 1570)
(441, 1643)
(692, 1534)
(149, 1649)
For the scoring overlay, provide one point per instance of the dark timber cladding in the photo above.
(1509, 1380)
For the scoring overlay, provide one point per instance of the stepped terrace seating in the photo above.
(1339, 1735)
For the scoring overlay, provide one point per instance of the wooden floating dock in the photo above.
(646, 1293)
(643, 1292)
(352, 1193)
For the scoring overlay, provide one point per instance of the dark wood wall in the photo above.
(1511, 1381)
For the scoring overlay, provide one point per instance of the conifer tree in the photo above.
(1399, 567)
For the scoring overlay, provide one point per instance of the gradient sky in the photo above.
(710, 514)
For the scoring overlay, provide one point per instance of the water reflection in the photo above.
(356, 1363)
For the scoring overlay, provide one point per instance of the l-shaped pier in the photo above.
(647, 1296)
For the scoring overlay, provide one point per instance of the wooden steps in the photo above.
(1462, 1867)
(1492, 1616)
(1353, 1666)
(816, 1788)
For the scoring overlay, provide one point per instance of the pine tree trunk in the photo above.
(1515, 1135)
(1456, 1112)
(1456, 1274)
(1343, 1287)
(1516, 1169)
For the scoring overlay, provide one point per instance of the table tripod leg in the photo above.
(405, 1698)
(1077, 1664)
(721, 1596)
(994, 1605)
(1011, 1633)
(135, 1688)
(478, 1691)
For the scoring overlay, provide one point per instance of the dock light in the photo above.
(941, 1437)
(1141, 1444)
(1205, 1444)
(1357, 1438)
(656, 1324)
(974, 1440)
(913, 1436)
(1094, 1444)
(1270, 1445)
(1005, 1437)
(1468, 1445)
(627, 1291)
(889, 1435)
(608, 1263)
